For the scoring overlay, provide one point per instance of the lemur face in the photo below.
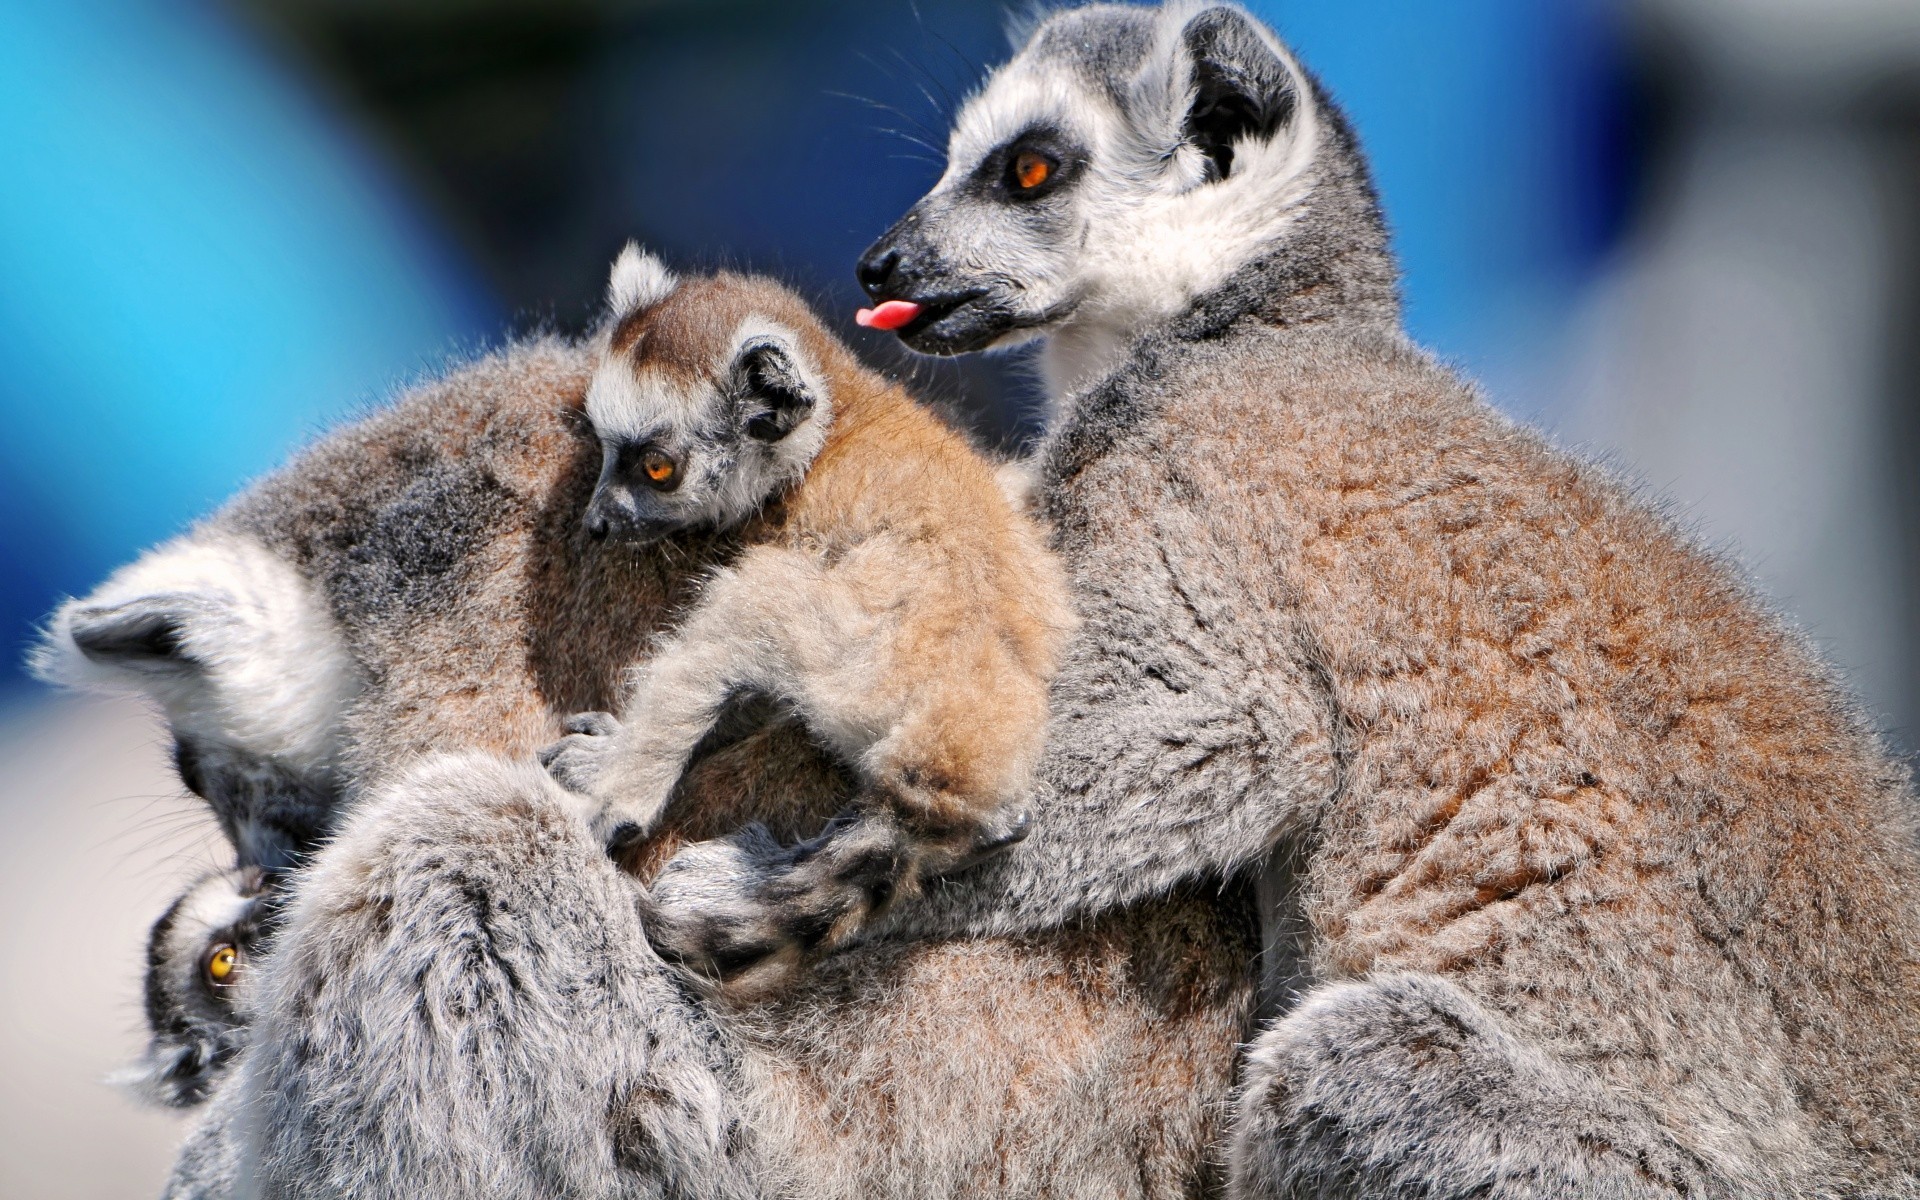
(1105, 173)
(707, 402)
(199, 957)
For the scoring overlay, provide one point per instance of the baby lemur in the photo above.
(198, 958)
(887, 590)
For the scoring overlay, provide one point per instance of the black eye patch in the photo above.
(1038, 163)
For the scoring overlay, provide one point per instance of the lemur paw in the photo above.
(622, 787)
(748, 914)
(579, 760)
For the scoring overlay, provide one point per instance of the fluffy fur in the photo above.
(197, 1012)
(890, 596)
(1600, 880)
(246, 664)
(444, 536)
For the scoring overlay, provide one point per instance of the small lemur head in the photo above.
(1126, 160)
(710, 399)
(199, 957)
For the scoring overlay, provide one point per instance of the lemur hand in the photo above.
(579, 760)
(624, 782)
(748, 915)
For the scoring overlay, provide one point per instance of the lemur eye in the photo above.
(1031, 169)
(221, 961)
(660, 470)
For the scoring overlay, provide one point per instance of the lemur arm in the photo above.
(745, 910)
(773, 623)
(463, 1004)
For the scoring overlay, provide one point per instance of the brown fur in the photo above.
(1581, 772)
(1094, 1060)
(894, 590)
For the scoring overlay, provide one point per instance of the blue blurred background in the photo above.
(1681, 233)
(223, 226)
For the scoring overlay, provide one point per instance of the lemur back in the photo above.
(431, 556)
(887, 592)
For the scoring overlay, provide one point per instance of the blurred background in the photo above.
(1684, 234)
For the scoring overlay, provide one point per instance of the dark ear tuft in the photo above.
(147, 634)
(1242, 88)
(774, 396)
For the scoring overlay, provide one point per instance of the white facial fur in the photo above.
(726, 475)
(269, 672)
(1149, 232)
(639, 280)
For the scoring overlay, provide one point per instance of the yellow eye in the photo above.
(659, 468)
(221, 962)
(1030, 170)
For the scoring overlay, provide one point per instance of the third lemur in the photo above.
(888, 591)
(1594, 881)
(199, 956)
(461, 998)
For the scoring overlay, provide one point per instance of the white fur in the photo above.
(1155, 235)
(276, 673)
(629, 404)
(639, 280)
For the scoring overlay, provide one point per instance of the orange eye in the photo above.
(659, 468)
(221, 962)
(1030, 170)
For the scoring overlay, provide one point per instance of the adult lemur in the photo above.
(1603, 888)
(1607, 887)
(462, 1001)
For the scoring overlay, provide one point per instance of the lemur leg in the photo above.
(1403, 1086)
(463, 1004)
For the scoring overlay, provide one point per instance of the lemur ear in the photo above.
(774, 392)
(639, 280)
(1241, 87)
(147, 635)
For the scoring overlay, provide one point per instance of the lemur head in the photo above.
(1126, 161)
(199, 956)
(709, 399)
(248, 666)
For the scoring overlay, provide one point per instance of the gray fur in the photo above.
(1088, 1060)
(1339, 613)
(1403, 1086)
(210, 1164)
(463, 1005)
(500, 978)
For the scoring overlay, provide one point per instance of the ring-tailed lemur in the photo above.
(200, 957)
(1603, 884)
(886, 591)
(459, 1001)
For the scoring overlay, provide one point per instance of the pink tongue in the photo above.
(891, 315)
